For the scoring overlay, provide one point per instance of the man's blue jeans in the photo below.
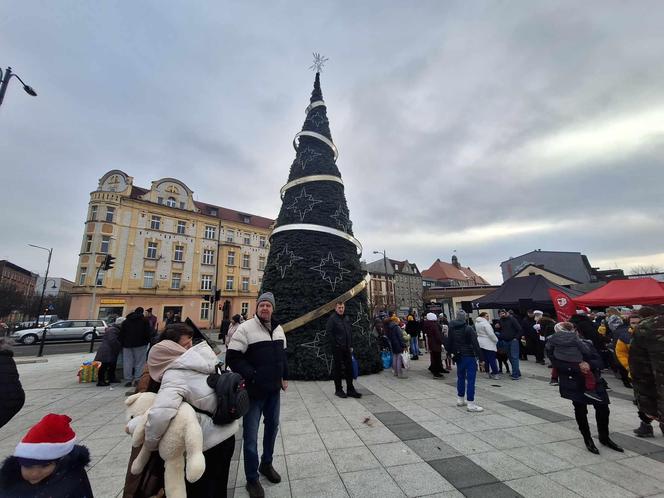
(269, 408)
(514, 358)
(466, 372)
(414, 346)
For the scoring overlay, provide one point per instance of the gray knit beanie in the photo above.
(461, 315)
(266, 296)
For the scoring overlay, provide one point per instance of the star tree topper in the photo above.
(319, 62)
(330, 269)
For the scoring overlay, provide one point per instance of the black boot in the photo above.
(606, 441)
(644, 430)
(590, 444)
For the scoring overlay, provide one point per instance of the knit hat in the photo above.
(49, 439)
(461, 315)
(563, 327)
(614, 321)
(538, 312)
(431, 317)
(266, 296)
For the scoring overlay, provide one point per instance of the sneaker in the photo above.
(461, 402)
(268, 471)
(593, 395)
(515, 378)
(553, 382)
(354, 394)
(255, 489)
(340, 393)
(472, 407)
(495, 377)
(644, 430)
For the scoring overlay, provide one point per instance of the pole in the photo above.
(94, 294)
(387, 282)
(48, 266)
(5, 83)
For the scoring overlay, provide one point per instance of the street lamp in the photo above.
(48, 266)
(4, 83)
(387, 287)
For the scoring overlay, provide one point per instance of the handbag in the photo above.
(356, 366)
(386, 357)
(405, 360)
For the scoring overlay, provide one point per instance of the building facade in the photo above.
(22, 280)
(380, 291)
(407, 285)
(55, 286)
(444, 274)
(171, 253)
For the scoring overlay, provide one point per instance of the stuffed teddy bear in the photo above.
(184, 435)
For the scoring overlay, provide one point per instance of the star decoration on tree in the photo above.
(330, 269)
(342, 217)
(316, 347)
(303, 203)
(284, 260)
(307, 156)
(319, 62)
(317, 118)
(362, 317)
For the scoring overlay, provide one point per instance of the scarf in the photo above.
(161, 356)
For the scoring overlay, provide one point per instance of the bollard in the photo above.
(92, 342)
(42, 343)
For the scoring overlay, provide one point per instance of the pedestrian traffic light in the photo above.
(109, 261)
(206, 297)
(217, 295)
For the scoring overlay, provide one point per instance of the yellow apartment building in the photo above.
(171, 252)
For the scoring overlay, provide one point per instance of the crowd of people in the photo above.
(177, 364)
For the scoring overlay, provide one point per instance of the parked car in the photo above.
(64, 329)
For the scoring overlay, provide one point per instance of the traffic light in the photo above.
(206, 297)
(108, 263)
(217, 295)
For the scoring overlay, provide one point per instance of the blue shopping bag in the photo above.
(356, 366)
(386, 356)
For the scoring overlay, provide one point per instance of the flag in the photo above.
(565, 307)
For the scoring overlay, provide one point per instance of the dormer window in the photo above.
(171, 202)
(213, 212)
(246, 219)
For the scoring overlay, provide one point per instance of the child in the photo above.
(47, 463)
(565, 345)
(503, 357)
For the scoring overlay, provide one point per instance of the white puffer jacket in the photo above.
(185, 379)
(485, 335)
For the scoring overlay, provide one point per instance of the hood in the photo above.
(77, 458)
(199, 358)
(563, 338)
(481, 319)
(456, 323)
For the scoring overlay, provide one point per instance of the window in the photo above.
(213, 212)
(205, 310)
(155, 222)
(152, 250)
(100, 278)
(110, 213)
(171, 202)
(93, 213)
(160, 200)
(245, 284)
(176, 278)
(230, 235)
(210, 232)
(261, 241)
(208, 257)
(206, 282)
(245, 260)
(230, 281)
(247, 239)
(246, 219)
(179, 253)
(88, 243)
(181, 205)
(182, 227)
(82, 275)
(261, 262)
(105, 243)
(244, 309)
(148, 279)
(230, 259)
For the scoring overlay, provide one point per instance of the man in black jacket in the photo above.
(510, 332)
(135, 336)
(466, 350)
(339, 333)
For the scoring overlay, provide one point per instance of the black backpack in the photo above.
(232, 396)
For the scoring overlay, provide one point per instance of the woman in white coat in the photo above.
(182, 369)
(487, 340)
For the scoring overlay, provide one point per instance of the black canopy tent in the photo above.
(519, 292)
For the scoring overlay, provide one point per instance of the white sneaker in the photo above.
(472, 407)
(461, 402)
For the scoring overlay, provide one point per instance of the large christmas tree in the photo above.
(314, 258)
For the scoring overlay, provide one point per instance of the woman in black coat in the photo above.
(108, 353)
(11, 391)
(572, 387)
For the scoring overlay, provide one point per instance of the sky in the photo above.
(486, 128)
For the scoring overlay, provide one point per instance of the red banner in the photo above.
(565, 307)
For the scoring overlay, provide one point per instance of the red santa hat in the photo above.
(49, 439)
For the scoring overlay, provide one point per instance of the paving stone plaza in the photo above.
(405, 437)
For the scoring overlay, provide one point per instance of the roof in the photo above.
(515, 292)
(400, 264)
(642, 291)
(223, 213)
(542, 267)
(16, 268)
(573, 265)
(441, 270)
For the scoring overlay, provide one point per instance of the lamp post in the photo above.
(48, 266)
(4, 83)
(387, 286)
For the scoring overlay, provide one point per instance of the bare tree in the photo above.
(643, 269)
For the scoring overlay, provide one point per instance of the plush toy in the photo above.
(184, 435)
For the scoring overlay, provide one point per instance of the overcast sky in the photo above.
(489, 128)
